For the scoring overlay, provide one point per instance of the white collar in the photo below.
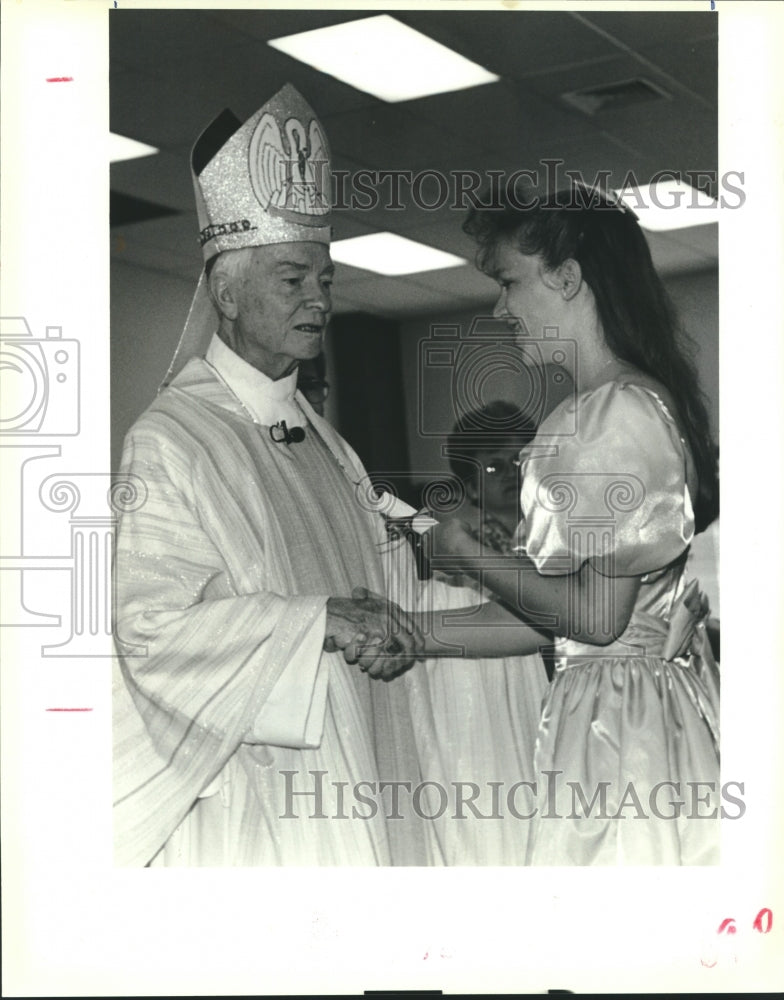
(266, 400)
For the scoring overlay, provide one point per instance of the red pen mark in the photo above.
(763, 922)
(59, 79)
(69, 710)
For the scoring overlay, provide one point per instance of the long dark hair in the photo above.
(639, 322)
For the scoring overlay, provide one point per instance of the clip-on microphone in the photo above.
(284, 435)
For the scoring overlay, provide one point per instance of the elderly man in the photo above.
(241, 730)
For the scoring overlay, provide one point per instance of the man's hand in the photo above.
(373, 632)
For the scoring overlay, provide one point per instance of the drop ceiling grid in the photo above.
(167, 81)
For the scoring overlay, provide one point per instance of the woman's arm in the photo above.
(478, 631)
(588, 605)
(484, 630)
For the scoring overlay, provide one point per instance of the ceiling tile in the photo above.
(492, 117)
(511, 41)
(125, 209)
(167, 113)
(267, 24)
(683, 136)
(694, 63)
(348, 224)
(594, 74)
(363, 198)
(257, 72)
(168, 102)
(173, 70)
(163, 178)
(161, 38)
(648, 29)
(555, 164)
(391, 138)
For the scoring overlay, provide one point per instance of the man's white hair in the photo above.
(230, 264)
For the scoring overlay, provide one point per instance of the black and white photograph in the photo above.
(363, 497)
(506, 231)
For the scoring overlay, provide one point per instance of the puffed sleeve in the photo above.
(605, 479)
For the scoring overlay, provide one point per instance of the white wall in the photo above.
(148, 312)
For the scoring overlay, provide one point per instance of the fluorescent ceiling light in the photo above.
(385, 58)
(121, 148)
(390, 254)
(669, 204)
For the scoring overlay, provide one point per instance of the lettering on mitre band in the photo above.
(289, 170)
(221, 229)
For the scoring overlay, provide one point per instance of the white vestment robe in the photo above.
(237, 740)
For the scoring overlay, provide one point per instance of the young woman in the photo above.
(614, 486)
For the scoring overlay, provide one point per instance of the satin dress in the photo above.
(475, 722)
(627, 751)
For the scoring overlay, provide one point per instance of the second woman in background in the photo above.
(476, 720)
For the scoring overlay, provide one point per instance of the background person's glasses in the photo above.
(502, 467)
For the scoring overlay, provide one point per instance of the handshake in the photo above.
(373, 632)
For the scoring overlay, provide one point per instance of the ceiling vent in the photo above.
(609, 96)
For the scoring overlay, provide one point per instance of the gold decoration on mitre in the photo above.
(267, 181)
